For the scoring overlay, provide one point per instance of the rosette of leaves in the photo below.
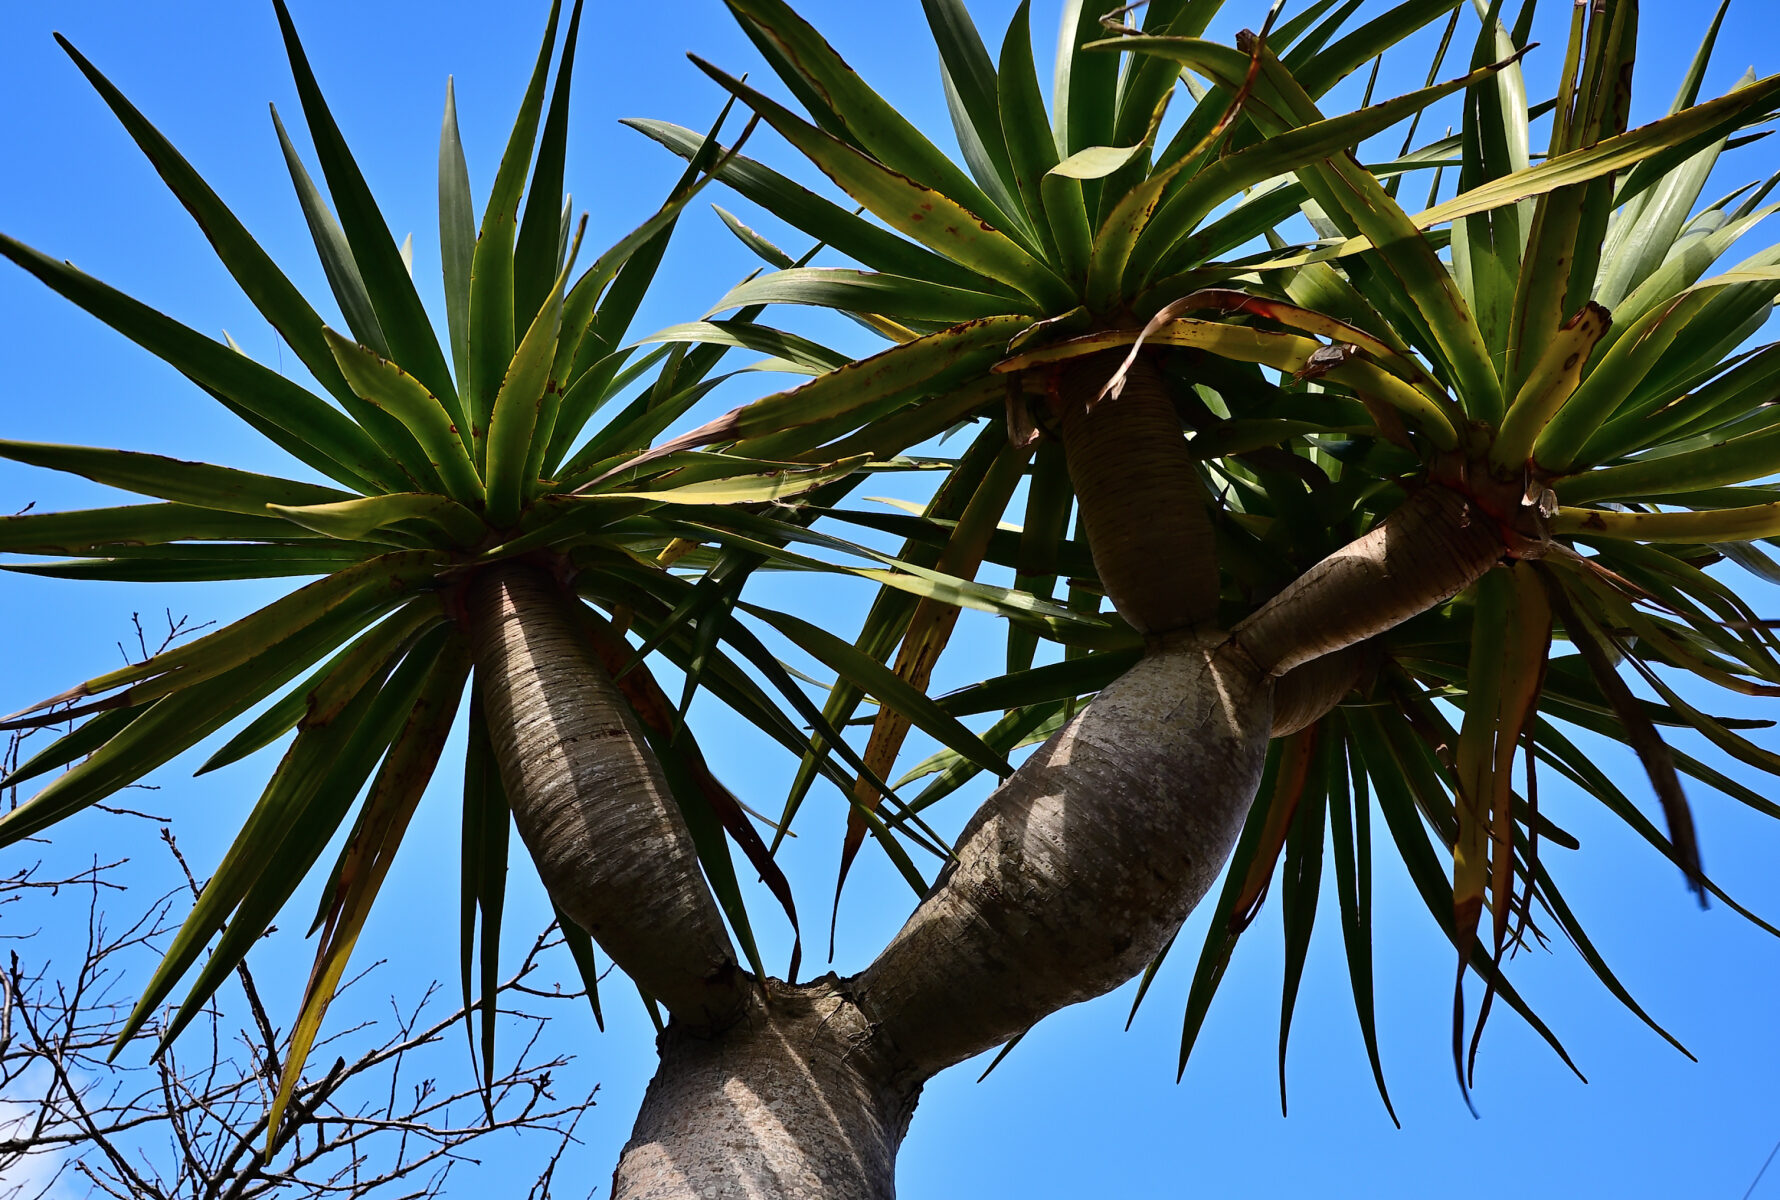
(1424, 472)
(1061, 228)
(1619, 466)
(1036, 238)
(466, 522)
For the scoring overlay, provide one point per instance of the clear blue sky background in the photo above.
(1080, 1108)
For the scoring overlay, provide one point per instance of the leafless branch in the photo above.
(191, 1123)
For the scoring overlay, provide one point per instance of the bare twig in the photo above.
(191, 1126)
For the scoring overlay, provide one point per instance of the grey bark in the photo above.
(794, 1102)
(1434, 546)
(1080, 866)
(1068, 880)
(591, 803)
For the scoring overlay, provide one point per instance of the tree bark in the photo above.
(1080, 866)
(591, 803)
(1306, 693)
(1434, 546)
(794, 1102)
(1066, 883)
(1142, 505)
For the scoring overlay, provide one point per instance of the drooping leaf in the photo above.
(322, 696)
(1653, 753)
(1350, 835)
(285, 836)
(366, 858)
(929, 630)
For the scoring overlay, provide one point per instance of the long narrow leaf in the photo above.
(405, 324)
(368, 853)
(301, 423)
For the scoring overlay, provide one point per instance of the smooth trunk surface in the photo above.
(1084, 862)
(791, 1103)
(591, 803)
(1306, 693)
(1141, 503)
(1431, 548)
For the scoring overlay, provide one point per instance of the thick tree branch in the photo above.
(591, 803)
(1082, 864)
(1141, 502)
(1306, 693)
(1434, 546)
(1078, 868)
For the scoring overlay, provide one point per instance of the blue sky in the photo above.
(1080, 1108)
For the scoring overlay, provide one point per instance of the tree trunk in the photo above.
(794, 1102)
(1066, 883)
